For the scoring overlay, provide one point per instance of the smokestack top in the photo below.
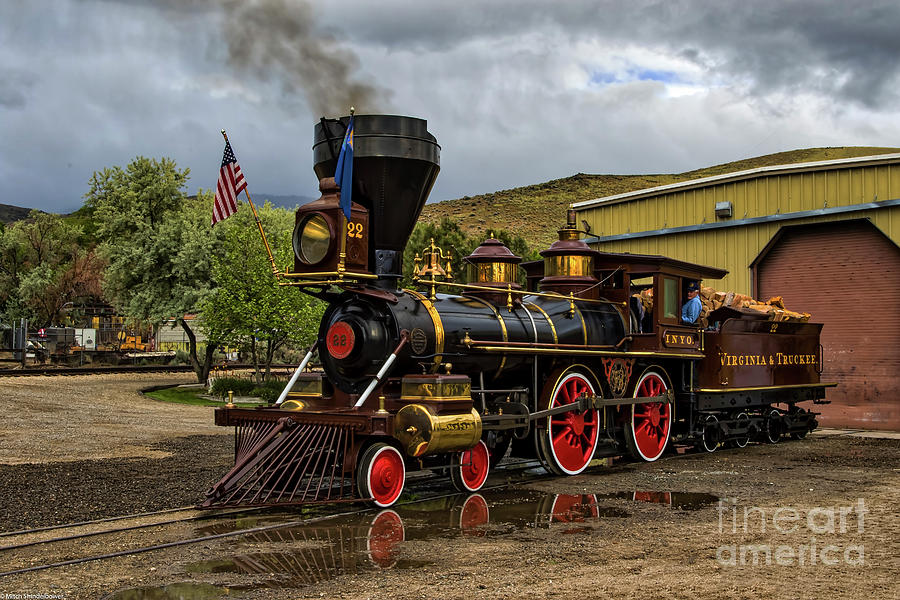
(395, 164)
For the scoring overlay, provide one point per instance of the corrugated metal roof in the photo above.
(741, 175)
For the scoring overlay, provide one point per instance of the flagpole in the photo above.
(259, 225)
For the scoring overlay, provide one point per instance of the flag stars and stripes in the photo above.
(231, 183)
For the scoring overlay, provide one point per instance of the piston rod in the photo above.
(404, 336)
(290, 384)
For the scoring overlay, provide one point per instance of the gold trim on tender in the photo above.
(549, 320)
(438, 327)
(766, 387)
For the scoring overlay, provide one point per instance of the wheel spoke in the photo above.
(560, 437)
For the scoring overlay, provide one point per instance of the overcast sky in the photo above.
(516, 92)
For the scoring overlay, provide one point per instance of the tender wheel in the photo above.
(743, 421)
(799, 435)
(650, 426)
(381, 474)
(774, 426)
(712, 434)
(567, 445)
(469, 469)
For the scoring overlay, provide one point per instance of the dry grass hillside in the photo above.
(535, 211)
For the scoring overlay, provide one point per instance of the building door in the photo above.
(847, 275)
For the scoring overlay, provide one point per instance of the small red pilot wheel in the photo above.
(380, 474)
(469, 469)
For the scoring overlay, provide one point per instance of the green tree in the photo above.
(42, 268)
(158, 243)
(248, 309)
(449, 236)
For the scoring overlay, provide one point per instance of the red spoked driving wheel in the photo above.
(568, 444)
(651, 423)
(381, 474)
(469, 469)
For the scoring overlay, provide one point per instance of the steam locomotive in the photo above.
(452, 376)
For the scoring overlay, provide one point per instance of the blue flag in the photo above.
(343, 174)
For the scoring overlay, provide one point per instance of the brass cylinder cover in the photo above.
(295, 405)
(422, 432)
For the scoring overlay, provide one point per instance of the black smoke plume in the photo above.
(280, 40)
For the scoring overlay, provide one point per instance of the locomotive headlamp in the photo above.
(312, 239)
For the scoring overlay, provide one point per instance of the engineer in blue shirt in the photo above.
(690, 312)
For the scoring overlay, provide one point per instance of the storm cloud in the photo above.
(517, 92)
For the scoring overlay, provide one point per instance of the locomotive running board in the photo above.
(286, 462)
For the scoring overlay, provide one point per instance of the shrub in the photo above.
(269, 391)
(221, 385)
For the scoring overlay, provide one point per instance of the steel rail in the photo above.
(77, 536)
(118, 369)
(95, 521)
(241, 532)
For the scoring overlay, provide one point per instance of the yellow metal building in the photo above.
(824, 235)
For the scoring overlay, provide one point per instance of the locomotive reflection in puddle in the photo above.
(360, 543)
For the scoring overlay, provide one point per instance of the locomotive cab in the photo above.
(654, 288)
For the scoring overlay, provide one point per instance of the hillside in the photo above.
(535, 211)
(10, 213)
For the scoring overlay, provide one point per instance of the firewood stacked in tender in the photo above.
(712, 299)
(773, 307)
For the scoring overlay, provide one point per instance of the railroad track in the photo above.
(53, 370)
(330, 512)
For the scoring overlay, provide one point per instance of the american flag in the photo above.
(231, 183)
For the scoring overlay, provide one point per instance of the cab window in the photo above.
(669, 299)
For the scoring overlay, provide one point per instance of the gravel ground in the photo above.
(85, 447)
(626, 549)
(90, 417)
(36, 495)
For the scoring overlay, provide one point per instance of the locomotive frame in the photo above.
(567, 369)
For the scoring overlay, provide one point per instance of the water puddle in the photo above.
(293, 557)
(679, 500)
(174, 591)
